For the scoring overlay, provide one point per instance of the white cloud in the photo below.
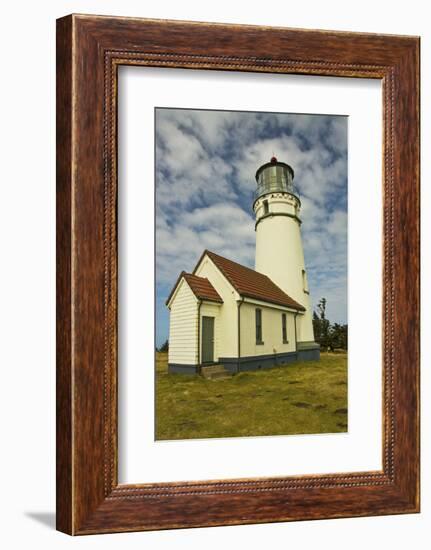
(222, 228)
(206, 162)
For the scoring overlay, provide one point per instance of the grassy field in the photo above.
(302, 398)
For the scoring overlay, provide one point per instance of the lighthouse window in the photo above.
(304, 281)
(259, 326)
(265, 207)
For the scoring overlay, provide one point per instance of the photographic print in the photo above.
(251, 273)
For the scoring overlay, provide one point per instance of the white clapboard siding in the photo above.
(183, 327)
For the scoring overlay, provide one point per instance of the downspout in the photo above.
(296, 338)
(238, 368)
(199, 337)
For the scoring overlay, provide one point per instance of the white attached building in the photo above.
(244, 318)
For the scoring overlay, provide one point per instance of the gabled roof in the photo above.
(250, 283)
(200, 287)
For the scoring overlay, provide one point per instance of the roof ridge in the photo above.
(192, 275)
(186, 274)
(243, 267)
(209, 252)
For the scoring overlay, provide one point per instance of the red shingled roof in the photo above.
(200, 287)
(250, 283)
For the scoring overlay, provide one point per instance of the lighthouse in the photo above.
(225, 316)
(279, 251)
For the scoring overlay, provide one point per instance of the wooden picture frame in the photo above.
(89, 51)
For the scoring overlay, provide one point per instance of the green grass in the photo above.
(301, 398)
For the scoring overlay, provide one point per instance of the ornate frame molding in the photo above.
(90, 50)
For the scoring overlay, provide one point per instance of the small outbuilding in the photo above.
(230, 314)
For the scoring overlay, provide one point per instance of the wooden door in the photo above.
(207, 339)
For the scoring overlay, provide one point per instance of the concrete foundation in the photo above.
(306, 351)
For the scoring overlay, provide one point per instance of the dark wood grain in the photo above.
(64, 497)
(90, 49)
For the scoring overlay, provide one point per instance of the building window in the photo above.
(284, 328)
(259, 326)
(304, 282)
(265, 208)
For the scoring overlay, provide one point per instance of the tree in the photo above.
(321, 325)
(338, 336)
(316, 327)
(164, 347)
(329, 336)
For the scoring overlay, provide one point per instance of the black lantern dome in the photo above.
(274, 177)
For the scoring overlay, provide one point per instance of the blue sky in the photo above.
(205, 167)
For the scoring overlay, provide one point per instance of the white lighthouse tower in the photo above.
(279, 252)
